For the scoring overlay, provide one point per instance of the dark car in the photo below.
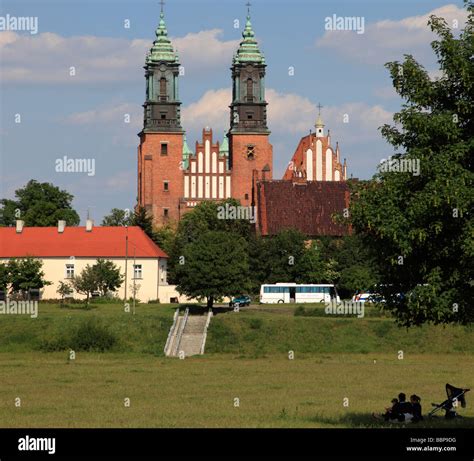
(240, 301)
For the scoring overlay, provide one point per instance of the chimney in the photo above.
(61, 226)
(89, 225)
(19, 226)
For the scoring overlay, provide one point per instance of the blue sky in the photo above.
(83, 116)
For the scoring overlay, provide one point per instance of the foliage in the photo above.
(143, 219)
(118, 217)
(5, 277)
(107, 275)
(25, 275)
(64, 289)
(86, 282)
(103, 277)
(203, 218)
(214, 265)
(39, 204)
(419, 228)
(91, 335)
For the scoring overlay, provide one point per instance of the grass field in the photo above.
(246, 359)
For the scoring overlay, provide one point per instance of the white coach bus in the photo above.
(295, 293)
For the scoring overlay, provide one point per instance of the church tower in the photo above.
(160, 153)
(250, 152)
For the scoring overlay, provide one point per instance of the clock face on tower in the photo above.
(250, 152)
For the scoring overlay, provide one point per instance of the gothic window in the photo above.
(249, 89)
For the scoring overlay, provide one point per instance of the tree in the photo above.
(118, 217)
(86, 282)
(203, 218)
(25, 275)
(164, 237)
(5, 277)
(142, 219)
(419, 227)
(107, 275)
(214, 265)
(64, 289)
(39, 204)
(285, 257)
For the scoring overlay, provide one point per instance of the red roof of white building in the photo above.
(100, 242)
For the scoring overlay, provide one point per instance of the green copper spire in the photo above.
(224, 147)
(186, 153)
(162, 49)
(248, 50)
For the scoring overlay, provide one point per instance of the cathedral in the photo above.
(172, 179)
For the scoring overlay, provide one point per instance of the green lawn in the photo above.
(247, 359)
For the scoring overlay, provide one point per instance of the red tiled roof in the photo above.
(101, 242)
(307, 206)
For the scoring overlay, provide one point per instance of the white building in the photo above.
(66, 251)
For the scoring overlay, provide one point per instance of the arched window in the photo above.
(163, 87)
(249, 89)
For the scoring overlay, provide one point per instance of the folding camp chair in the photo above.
(456, 396)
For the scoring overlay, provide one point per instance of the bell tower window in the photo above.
(163, 89)
(249, 89)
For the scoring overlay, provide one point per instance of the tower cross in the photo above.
(319, 106)
(248, 5)
(162, 3)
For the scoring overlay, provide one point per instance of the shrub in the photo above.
(91, 335)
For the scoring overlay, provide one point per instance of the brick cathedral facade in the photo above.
(172, 179)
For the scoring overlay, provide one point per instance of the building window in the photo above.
(69, 271)
(166, 212)
(249, 89)
(164, 148)
(246, 196)
(250, 152)
(162, 86)
(166, 186)
(137, 271)
(163, 274)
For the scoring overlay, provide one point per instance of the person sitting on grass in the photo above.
(401, 411)
(416, 408)
(390, 412)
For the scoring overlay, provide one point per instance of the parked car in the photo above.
(240, 301)
(367, 297)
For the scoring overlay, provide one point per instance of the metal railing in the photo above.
(170, 334)
(204, 336)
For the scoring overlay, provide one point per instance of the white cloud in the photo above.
(48, 57)
(388, 40)
(116, 114)
(290, 116)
